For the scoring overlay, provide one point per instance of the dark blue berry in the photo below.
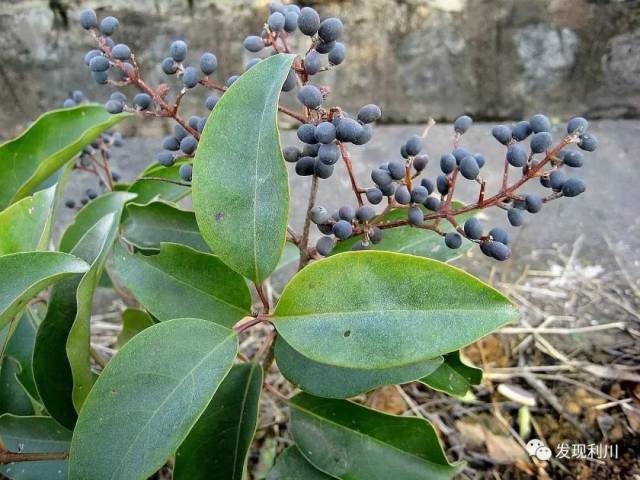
(291, 81)
(419, 194)
(420, 162)
(577, 124)
(308, 21)
(88, 19)
(186, 172)
(480, 160)
(115, 176)
(292, 8)
(557, 179)
(588, 142)
(325, 47)
(365, 136)
(114, 106)
(208, 63)
(432, 203)
(462, 124)
(375, 235)
(533, 203)
(402, 196)
(311, 149)
(453, 240)
(290, 21)
(179, 132)
(397, 170)
(374, 195)
(166, 158)
(277, 7)
(369, 113)
(322, 170)
(347, 213)
(540, 142)
(178, 50)
(447, 163)
(99, 64)
(142, 101)
(90, 54)
(171, 143)
(68, 103)
(276, 21)
(545, 181)
(414, 145)
(330, 29)
(193, 121)
(319, 215)
(121, 97)
(169, 66)
(496, 250)
(365, 213)
(312, 62)
(251, 63)
(469, 168)
(428, 184)
(473, 228)
(348, 130)
(188, 144)
(291, 154)
(521, 130)
(573, 158)
(415, 216)
(388, 190)
(121, 52)
(211, 102)
(305, 166)
(515, 217)
(459, 153)
(190, 77)
(253, 43)
(539, 123)
(324, 246)
(502, 133)
(337, 54)
(108, 25)
(310, 96)
(325, 132)
(307, 133)
(573, 187)
(442, 183)
(91, 194)
(517, 156)
(69, 203)
(328, 153)
(231, 80)
(360, 245)
(499, 235)
(342, 229)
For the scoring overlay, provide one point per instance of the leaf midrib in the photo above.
(347, 313)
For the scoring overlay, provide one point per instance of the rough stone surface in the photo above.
(416, 58)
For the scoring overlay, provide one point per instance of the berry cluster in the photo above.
(397, 181)
(326, 131)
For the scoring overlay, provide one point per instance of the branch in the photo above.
(304, 241)
(347, 162)
(11, 457)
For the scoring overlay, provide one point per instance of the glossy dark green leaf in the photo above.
(454, 376)
(151, 187)
(34, 435)
(101, 236)
(20, 347)
(52, 140)
(219, 442)
(290, 465)
(146, 226)
(89, 214)
(373, 310)
(133, 322)
(148, 398)
(413, 241)
(23, 275)
(13, 396)
(240, 183)
(337, 382)
(26, 225)
(70, 304)
(181, 281)
(349, 441)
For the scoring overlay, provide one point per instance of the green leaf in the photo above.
(89, 215)
(34, 435)
(411, 240)
(336, 382)
(240, 183)
(218, 444)
(25, 225)
(349, 441)
(133, 322)
(146, 226)
(69, 304)
(373, 310)
(20, 347)
(13, 396)
(102, 236)
(52, 140)
(181, 281)
(454, 376)
(290, 465)
(148, 398)
(23, 275)
(149, 188)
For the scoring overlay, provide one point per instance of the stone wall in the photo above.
(416, 58)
